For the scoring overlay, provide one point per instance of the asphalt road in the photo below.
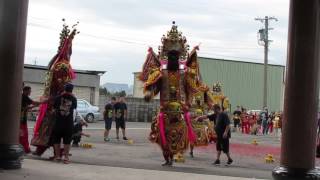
(248, 159)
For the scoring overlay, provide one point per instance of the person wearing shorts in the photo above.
(120, 109)
(222, 128)
(108, 116)
(64, 106)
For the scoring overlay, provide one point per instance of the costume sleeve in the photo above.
(150, 65)
(151, 74)
(153, 84)
(226, 104)
(195, 86)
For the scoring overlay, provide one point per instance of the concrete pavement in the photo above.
(142, 155)
(46, 170)
(248, 159)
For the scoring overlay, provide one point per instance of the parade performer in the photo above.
(203, 128)
(174, 73)
(251, 122)
(277, 124)
(254, 127)
(245, 122)
(58, 75)
(236, 118)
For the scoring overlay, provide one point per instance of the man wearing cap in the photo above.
(64, 106)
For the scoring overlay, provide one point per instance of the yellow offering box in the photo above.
(130, 141)
(269, 158)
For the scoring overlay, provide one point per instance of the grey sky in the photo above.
(115, 34)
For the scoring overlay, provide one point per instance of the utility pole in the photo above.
(35, 61)
(263, 40)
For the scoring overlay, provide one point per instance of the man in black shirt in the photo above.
(108, 116)
(236, 118)
(222, 128)
(26, 105)
(64, 106)
(120, 109)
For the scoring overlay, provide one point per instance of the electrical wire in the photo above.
(141, 43)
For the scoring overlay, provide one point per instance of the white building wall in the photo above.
(138, 87)
(86, 85)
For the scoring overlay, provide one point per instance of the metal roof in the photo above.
(30, 66)
(239, 61)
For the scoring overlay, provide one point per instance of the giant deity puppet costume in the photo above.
(59, 73)
(174, 73)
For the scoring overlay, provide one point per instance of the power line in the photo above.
(141, 43)
(228, 56)
(213, 47)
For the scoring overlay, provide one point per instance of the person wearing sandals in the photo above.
(108, 117)
(64, 106)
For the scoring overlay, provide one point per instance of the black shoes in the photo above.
(229, 161)
(125, 138)
(167, 163)
(217, 162)
(191, 155)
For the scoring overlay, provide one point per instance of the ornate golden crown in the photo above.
(67, 33)
(173, 41)
(217, 87)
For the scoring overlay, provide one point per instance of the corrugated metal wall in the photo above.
(243, 82)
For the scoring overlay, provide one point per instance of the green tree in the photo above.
(104, 91)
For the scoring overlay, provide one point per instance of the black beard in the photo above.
(173, 65)
(173, 60)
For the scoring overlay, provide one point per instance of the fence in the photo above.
(138, 109)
